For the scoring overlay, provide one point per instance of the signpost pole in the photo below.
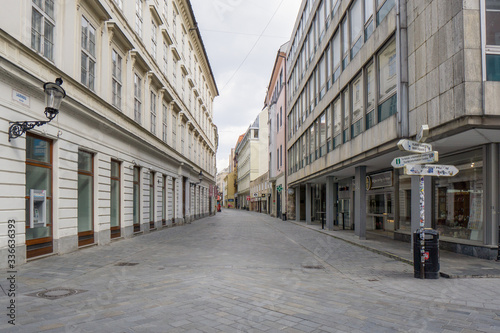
(422, 224)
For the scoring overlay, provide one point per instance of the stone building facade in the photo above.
(364, 74)
(133, 147)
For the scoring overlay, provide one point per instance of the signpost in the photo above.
(431, 170)
(401, 162)
(415, 165)
(414, 146)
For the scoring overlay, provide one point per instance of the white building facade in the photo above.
(133, 147)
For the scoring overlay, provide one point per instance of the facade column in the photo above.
(360, 202)
(331, 202)
(297, 203)
(308, 203)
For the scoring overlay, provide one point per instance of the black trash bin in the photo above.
(431, 246)
(283, 216)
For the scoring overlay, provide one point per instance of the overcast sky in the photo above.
(242, 38)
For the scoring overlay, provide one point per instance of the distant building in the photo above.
(252, 157)
(276, 103)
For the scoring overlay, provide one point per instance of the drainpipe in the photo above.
(402, 68)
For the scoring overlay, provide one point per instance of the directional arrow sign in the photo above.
(414, 146)
(430, 170)
(400, 162)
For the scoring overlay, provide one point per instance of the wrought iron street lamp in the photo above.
(54, 95)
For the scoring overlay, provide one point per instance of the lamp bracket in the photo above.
(18, 128)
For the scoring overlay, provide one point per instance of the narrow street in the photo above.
(240, 271)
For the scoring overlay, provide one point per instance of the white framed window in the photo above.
(88, 58)
(42, 28)
(164, 123)
(116, 82)
(137, 99)
(138, 17)
(165, 58)
(165, 10)
(174, 131)
(154, 32)
(153, 112)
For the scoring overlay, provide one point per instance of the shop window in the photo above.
(137, 199)
(404, 203)
(85, 198)
(115, 199)
(38, 196)
(458, 200)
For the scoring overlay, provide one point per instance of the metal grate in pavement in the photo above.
(56, 293)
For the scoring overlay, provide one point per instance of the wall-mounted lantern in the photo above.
(54, 95)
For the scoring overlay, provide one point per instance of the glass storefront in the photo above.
(457, 201)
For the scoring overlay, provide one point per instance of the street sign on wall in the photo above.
(400, 162)
(414, 146)
(431, 170)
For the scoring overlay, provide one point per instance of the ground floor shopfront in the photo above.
(72, 184)
(462, 208)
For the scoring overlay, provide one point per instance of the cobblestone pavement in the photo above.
(242, 272)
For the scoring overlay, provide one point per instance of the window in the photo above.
(154, 30)
(138, 17)
(312, 143)
(384, 7)
(165, 58)
(322, 134)
(137, 199)
(182, 138)
(277, 122)
(115, 199)
(345, 43)
(369, 26)
(356, 27)
(38, 181)
(256, 133)
(42, 28)
(85, 198)
(492, 40)
(345, 114)
(153, 113)
(165, 9)
(174, 135)
(88, 58)
(337, 124)
(336, 49)
(357, 106)
(116, 82)
(151, 200)
(370, 97)
(387, 82)
(281, 116)
(277, 159)
(164, 123)
(137, 99)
